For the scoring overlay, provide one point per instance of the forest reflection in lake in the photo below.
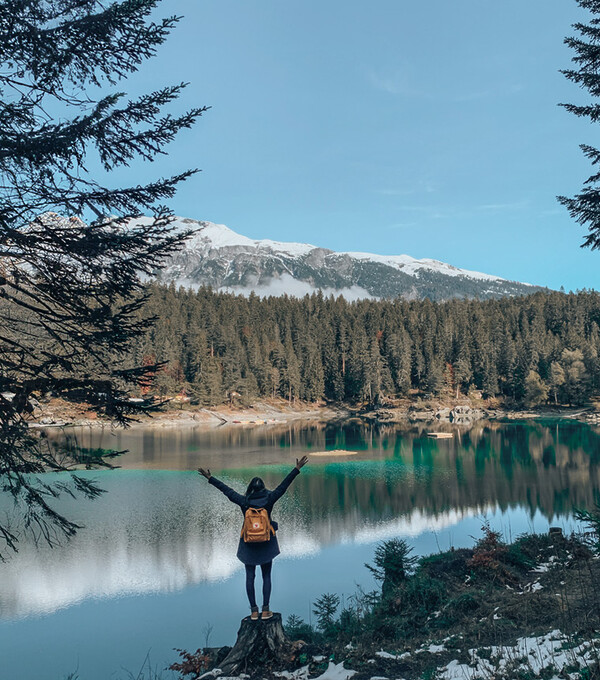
(549, 466)
(161, 534)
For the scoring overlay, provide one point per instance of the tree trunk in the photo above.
(260, 644)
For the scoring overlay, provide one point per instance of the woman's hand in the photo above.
(300, 463)
(205, 473)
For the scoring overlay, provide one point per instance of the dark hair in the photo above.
(255, 486)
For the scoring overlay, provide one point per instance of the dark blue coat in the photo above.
(257, 553)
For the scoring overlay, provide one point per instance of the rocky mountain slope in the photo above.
(218, 257)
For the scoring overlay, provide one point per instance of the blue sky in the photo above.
(427, 128)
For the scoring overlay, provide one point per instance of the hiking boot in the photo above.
(266, 614)
(254, 614)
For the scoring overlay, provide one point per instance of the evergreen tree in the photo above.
(357, 381)
(290, 380)
(208, 386)
(332, 363)
(398, 352)
(71, 293)
(377, 373)
(434, 379)
(489, 384)
(585, 206)
(312, 378)
(462, 374)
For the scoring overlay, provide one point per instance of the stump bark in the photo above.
(259, 645)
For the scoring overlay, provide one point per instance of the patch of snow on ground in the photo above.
(298, 674)
(528, 655)
(336, 671)
(531, 587)
(387, 655)
(541, 568)
(435, 649)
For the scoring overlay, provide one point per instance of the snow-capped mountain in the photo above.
(218, 257)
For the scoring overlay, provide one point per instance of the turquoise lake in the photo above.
(155, 569)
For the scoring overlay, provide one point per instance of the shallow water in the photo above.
(155, 564)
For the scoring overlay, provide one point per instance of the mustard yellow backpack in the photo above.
(257, 526)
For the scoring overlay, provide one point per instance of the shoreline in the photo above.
(58, 413)
(520, 609)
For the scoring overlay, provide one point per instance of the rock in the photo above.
(461, 410)
(385, 414)
(421, 415)
(443, 414)
(466, 414)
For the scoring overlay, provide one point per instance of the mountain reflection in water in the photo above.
(161, 530)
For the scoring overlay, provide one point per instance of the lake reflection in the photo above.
(550, 466)
(164, 541)
(163, 530)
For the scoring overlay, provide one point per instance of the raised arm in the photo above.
(233, 495)
(277, 493)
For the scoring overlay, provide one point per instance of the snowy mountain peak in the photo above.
(221, 236)
(217, 256)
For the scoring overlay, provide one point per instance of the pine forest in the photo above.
(523, 350)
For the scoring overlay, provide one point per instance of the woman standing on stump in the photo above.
(258, 543)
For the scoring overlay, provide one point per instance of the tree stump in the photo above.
(259, 645)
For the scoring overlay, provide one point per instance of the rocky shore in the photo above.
(58, 413)
(463, 414)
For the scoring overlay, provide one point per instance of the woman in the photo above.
(260, 553)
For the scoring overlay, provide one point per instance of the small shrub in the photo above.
(519, 559)
(393, 564)
(534, 546)
(297, 629)
(419, 597)
(466, 603)
(193, 664)
(490, 556)
(592, 519)
(447, 565)
(325, 609)
(350, 624)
